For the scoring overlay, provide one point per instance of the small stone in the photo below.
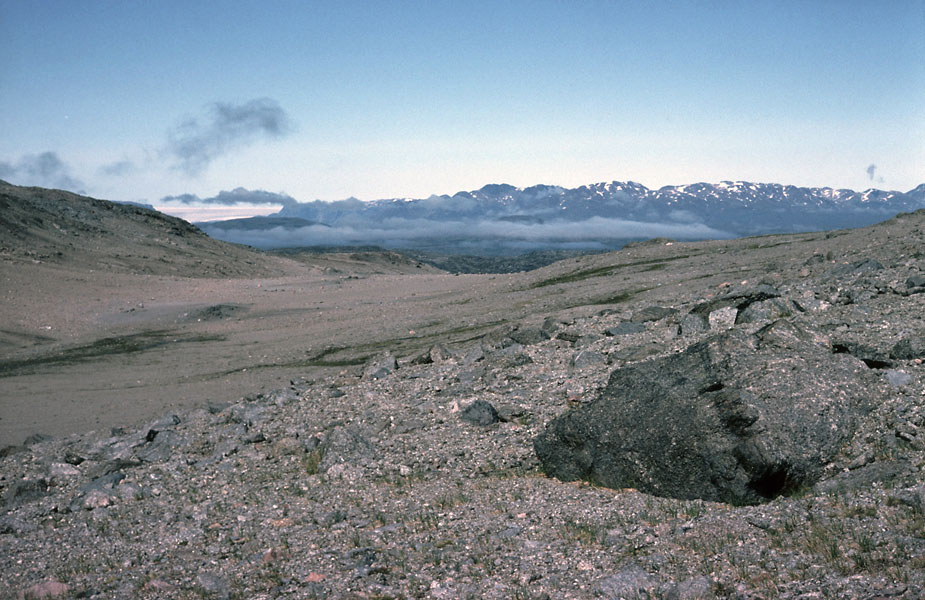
(213, 585)
(693, 323)
(897, 378)
(909, 348)
(588, 358)
(96, 499)
(916, 281)
(723, 318)
(72, 458)
(480, 413)
(63, 470)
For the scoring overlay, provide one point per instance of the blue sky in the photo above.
(133, 100)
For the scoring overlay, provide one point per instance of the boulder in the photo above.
(737, 417)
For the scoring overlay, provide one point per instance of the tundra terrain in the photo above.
(183, 418)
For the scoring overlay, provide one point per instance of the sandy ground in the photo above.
(171, 343)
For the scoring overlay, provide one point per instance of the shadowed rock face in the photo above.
(738, 418)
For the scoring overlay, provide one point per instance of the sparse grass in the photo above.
(606, 270)
(583, 533)
(312, 461)
(110, 346)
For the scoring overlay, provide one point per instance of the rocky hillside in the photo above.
(416, 474)
(58, 227)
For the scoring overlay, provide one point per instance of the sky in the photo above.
(138, 101)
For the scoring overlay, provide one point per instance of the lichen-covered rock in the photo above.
(738, 417)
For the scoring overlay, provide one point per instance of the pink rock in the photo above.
(41, 591)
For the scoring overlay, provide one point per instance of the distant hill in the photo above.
(58, 227)
(501, 219)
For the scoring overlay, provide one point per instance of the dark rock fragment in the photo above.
(25, 490)
(588, 358)
(568, 336)
(437, 354)
(72, 458)
(345, 444)
(916, 282)
(653, 313)
(36, 438)
(160, 445)
(867, 265)
(380, 367)
(480, 412)
(909, 348)
(11, 450)
(529, 336)
(625, 328)
(728, 419)
(767, 310)
(872, 357)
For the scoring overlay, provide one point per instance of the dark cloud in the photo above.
(236, 196)
(118, 168)
(45, 170)
(197, 142)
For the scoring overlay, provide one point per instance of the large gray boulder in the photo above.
(738, 418)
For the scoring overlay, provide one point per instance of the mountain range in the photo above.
(503, 219)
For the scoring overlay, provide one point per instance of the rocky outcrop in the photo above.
(738, 418)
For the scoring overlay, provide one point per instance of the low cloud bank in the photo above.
(596, 232)
(238, 195)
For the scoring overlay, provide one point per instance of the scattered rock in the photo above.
(625, 328)
(213, 585)
(588, 358)
(909, 348)
(380, 367)
(25, 490)
(345, 445)
(766, 310)
(530, 335)
(631, 582)
(653, 313)
(479, 413)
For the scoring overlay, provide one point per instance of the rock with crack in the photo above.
(737, 417)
